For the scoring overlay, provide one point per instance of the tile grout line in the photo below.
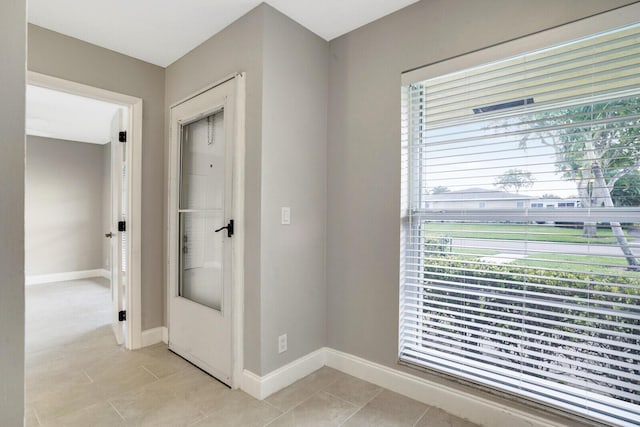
(274, 418)
(116, 409)
(350, 416)
(344, 400)
(37, 416)
(354, 406)
(274, 407)
(293, 407)
(87, 375)
(203, 417)
(382, 389)
(148, 371)
(271, 404)
(310, 396)
(423, 415)
(362, 407)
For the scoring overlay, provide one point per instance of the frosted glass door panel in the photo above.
(201, 258)
(201, 211)
(202, 164)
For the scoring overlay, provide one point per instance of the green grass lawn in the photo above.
(578, 263)
(531, 232)
(535, 232)
(582, 263)
(474, 252)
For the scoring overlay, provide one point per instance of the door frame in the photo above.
(133, 336)
(237, 210)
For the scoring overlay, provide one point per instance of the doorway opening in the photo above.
(82, 216)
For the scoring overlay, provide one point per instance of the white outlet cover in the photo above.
(286, 215)
(282, 343)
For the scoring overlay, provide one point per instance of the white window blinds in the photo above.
(520, 264)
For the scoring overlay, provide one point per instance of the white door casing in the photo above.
(133, 148)
(205, 325)
(118, 278)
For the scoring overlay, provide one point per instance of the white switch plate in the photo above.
(282, 343)
(286, 216)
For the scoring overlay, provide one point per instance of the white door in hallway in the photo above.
(118, 233)
(202, 229)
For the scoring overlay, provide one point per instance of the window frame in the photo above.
(625, 15)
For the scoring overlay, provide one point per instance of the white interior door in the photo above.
(201, 230)
(118, 238)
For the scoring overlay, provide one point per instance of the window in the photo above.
(543, 304)
(566, 205)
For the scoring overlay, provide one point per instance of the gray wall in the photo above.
(294, 173)
(12, 141)
(364, 150)
(236, 48)
(287, 77)
(60, 56)
(63, 206)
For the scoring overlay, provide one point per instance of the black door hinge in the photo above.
(122, 315)
(122, 136)
(122, 226)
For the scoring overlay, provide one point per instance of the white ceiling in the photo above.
(162, 31)
(62, 115)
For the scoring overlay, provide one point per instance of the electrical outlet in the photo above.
(285, 216)
(282, 343)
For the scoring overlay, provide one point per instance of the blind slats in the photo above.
(542, 344)
(488, 297)
(520, 208)
(514, 214)
(620, 411)
(506, 361)
(514, 320)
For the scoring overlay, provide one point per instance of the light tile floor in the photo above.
(77, 376)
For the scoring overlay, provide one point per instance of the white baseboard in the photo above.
(478, 409)
(154, 336)
(475, 408)
(263, 387)
(105, 273)
(63, 277)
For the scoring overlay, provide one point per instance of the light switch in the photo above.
(286, 216)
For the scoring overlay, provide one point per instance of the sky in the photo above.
(478, 156)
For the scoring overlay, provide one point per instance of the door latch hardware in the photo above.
(122, 226)
(122, 315)
(228, 227)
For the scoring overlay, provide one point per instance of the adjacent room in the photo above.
(68, 212)
(347, 213)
